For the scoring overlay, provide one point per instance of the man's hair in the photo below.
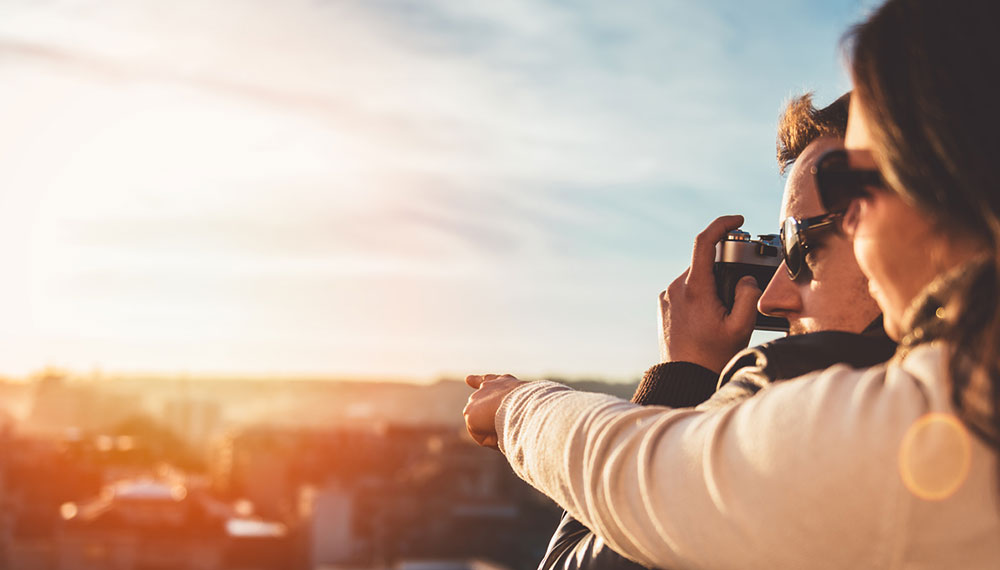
(801, 123)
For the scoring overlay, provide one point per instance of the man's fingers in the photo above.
(481, 409)
(485, 440)
(703, 255)
(676, 287)
(476, 380)
(480, 437)
(744, 310)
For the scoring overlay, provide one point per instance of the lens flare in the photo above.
(935, 456)
(68, 511)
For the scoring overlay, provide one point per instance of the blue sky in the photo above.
(383, 188)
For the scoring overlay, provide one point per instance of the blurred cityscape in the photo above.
(176, 474)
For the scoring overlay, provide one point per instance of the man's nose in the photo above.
(781, 297)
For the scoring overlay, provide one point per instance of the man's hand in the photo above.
(481, 410)
(694, 324)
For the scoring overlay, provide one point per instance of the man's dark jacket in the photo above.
(683, 384)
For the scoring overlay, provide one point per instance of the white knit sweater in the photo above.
(839, 469)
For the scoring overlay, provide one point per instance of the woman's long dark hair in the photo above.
(924, 71)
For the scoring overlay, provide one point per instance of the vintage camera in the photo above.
(738, 255)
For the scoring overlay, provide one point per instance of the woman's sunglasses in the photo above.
(838, 185)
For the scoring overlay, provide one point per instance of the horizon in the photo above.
(99, 376)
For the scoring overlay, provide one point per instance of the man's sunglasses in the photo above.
(838, 184)
(798, 237)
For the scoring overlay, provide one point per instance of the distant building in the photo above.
(6, 508)
(57, 404)
(331, 530)
(254, 465)
(60, 404)
(148, 524)
(447, 565)
(195, 421)
(38, 476)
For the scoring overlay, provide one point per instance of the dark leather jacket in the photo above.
(681, 384)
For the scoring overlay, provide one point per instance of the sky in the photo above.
(410, 189)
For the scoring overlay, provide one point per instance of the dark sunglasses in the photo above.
(798, 237)
(838, 184)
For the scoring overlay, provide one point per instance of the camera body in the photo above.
(736, 256)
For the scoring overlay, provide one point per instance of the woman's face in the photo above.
(895, 244)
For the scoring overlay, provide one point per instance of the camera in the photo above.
(736, 256)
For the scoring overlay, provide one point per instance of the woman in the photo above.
(890, 467)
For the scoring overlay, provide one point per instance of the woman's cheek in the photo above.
(873, 245)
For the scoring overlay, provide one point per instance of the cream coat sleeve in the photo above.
(804, 475)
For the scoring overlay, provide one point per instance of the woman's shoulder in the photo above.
(877, 404)
(922, 368)
(926, 363)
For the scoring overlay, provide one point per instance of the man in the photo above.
(829, 294)
(831, 317)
